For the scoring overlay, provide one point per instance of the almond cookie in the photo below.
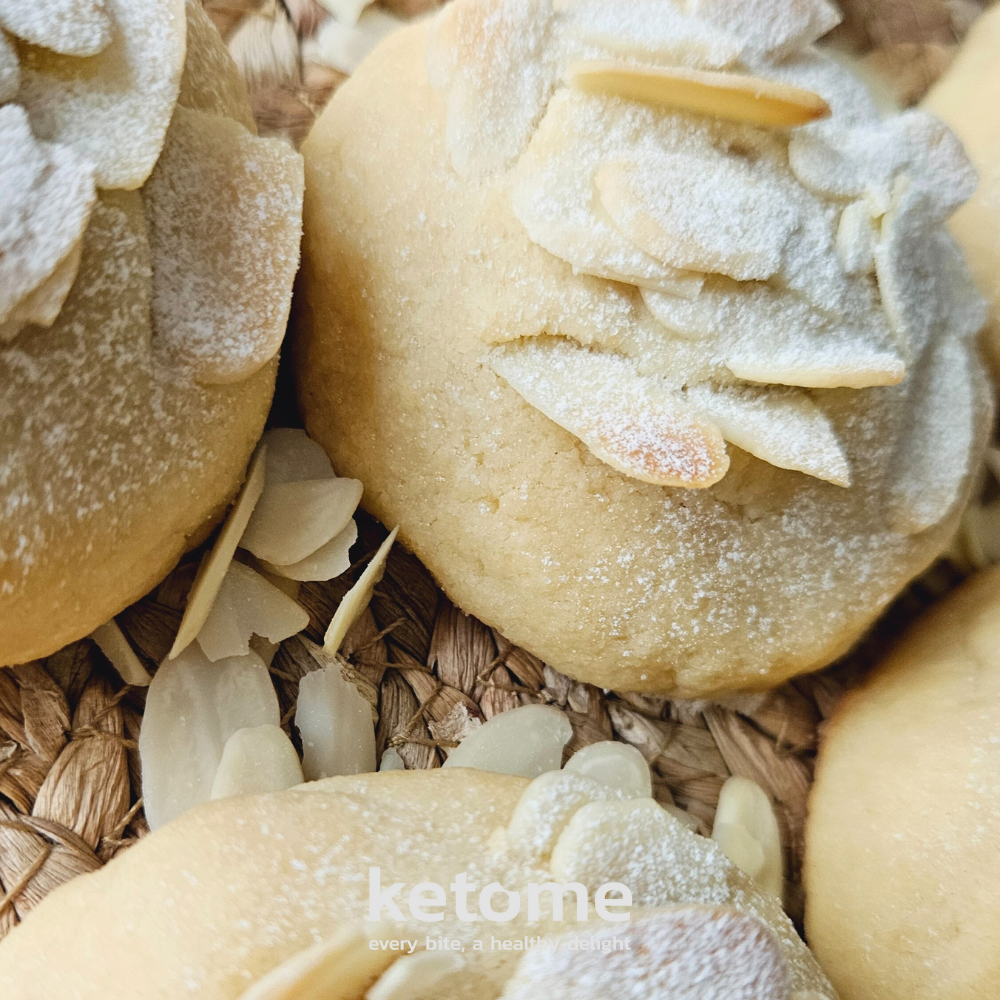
(646, 329)
(296, 894)
(148, 242)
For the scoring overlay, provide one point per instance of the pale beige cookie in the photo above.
(266, 897)
(903, 841)
(116, 113)
(507, 410)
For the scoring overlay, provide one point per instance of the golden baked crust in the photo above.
(903, 842)
(229, 891)
(117, 451)
(614, 581)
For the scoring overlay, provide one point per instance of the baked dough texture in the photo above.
(231, 891)
(135, 380)
(517, 412)
(903, 840)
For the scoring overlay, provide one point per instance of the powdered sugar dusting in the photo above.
(71, 27)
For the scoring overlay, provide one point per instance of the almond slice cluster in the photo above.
(739, 198)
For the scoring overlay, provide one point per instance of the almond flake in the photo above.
(343, 46)
(70, 27)
(339, 969)
(392, 761)
(192, 708)
(215, 564)
(255, 761)
(856, 237)
(116, 113)
(120, 654)
(675, 953)
(414, 977)
(326, 563)
(492, 56)
(358, 598)
(334, 721)
(224, 210)
(49, 197)
(632, 423)
(247, 605)
(527, 741)
(729, 96)
(747, 831)
(616, 765)
(346, 11)
(293, 456)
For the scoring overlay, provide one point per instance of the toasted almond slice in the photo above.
(71, 27)
(114, 113)
(326, 563)
(257, 760)
(247, 605)
(120, 654)
(359, 596)
(214, 565)
(342, 968)
(293, 520)
(782, 427)
(10, 70)
(730, 96)
(680, 953)
(747, 831)
(631, 422)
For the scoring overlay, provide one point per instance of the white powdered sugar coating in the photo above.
(116, 114)
(10, 70)
(70, 27)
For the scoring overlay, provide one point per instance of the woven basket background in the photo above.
(70, 784)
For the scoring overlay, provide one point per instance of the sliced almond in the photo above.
(224, 211)
(680, 953)
(416, 976)
(334, 721)
(293, 520)
(856, 237)
(527, 741)
(729, 96)
(632, 423)
(343, 46)
(326, 563)
(192, 708)
(247, 605)
(615, 765)
(782, 427)
(116, 113)
(214, 565)
(293, 456)
(747, 831)
(342, 968)
(49, 197)
(359, 596)
(346, 11)
(257, 760)
(392, 761)
(70, 27)
(120, 654)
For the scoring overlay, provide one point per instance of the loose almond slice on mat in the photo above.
(334, 720)
(552, 195)
(10, 70)
(717, 214)
(293, 456)
(616, 765)
(632, 423)
(342, 968)
(247, 605)
(48, 197)
(675, 953)
(730, 96)
(192, 708)
(255, 761)
(70, 27)
(224, 211)
(326, 563)
(746, 829)
(781, 426)
(113, 644)
(116, 113)
(527, 741)
(214, 565)
(490, 56)
(358, 598)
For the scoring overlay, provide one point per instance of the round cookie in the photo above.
(431, 334)
(133, 392)
(903, 840)
(238, 897)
